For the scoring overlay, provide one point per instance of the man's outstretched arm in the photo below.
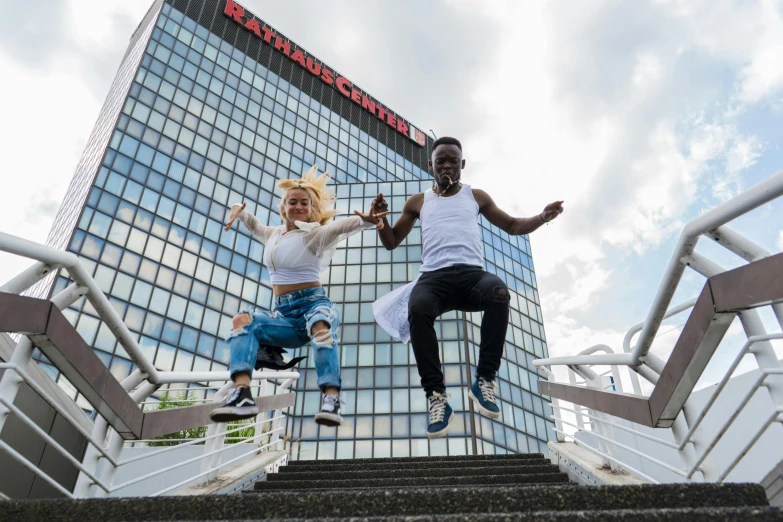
(392, 236)
(512, 225)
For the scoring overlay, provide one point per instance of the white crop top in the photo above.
(299, 256)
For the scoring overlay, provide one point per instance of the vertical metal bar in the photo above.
(687, 454)
(558, 413)
(580, 421)
(602, 429)
(11, 380)
(107, 471)
(472, 413)
(213, 460)
(91, 459)
(618, 384)
(100, 427)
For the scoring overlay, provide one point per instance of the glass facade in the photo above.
(204, 125)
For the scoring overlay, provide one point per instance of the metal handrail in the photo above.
(693, 452)
(709, 222)
(100, 463)
(60, 259)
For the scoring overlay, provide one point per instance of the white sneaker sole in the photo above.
(328, 419)
(481, 409)
(230, 414)
(442, 433)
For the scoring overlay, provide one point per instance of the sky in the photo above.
(641, 115)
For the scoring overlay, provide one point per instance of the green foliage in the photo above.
(173, 439)
(233, 437)
(168, 401)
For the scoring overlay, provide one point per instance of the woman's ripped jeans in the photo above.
(290, 325)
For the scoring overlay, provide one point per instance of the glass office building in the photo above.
(203, 114)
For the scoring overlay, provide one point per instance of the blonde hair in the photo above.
(321, 198)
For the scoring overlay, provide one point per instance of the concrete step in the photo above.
(454, 480)
(401, 460)
(411, 473)
(358, 465)
(418, 501)
(741, 514)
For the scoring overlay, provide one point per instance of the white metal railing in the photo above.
(101, 459)
(693, 444)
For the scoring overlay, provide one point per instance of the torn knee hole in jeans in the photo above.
(240, 322)
(500, 294)
(242, 330)
(323, 338)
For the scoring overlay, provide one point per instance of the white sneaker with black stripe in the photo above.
(239, 405)
(330, 411)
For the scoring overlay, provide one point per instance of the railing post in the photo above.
(213, 461)
(10, 381)
(580, 421)
(687, 454)
(91, 455)
(277, 423)
(595, 381)
(106, 470)
(766, 359)
(91, 458)
(558, 413)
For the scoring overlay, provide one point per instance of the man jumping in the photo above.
(452, 277)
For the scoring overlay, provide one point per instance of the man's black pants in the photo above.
(468, 289)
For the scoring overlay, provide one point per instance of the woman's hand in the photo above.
(235, 211)
(372, 217)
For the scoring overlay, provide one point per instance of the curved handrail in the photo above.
(710, 222)
(69, 261)
(752, 198)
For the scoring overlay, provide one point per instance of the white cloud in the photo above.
(627, 112)
(779, 242)
(586, 281)
(637, 114)
(50, 99)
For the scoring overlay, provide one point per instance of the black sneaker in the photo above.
(239, 405)
(330, 411)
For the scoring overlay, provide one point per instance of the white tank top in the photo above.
(450, 231)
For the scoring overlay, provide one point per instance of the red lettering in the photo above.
(253, 27)
(235, 11)
(343, 85)
(299, 58)
(391, 120)
(313, 66)
(284, 47)
(356, 96)
(327, 76)
(382, 113)
(268, 34)
(368, 104)
(402, 127)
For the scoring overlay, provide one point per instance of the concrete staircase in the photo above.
(479, 488)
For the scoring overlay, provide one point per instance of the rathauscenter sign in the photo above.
(315, 67)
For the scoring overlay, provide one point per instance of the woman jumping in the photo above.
(296, 252)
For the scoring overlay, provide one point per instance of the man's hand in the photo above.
(551, 211)
(235, 211)
(372, 217)
(379, 204)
